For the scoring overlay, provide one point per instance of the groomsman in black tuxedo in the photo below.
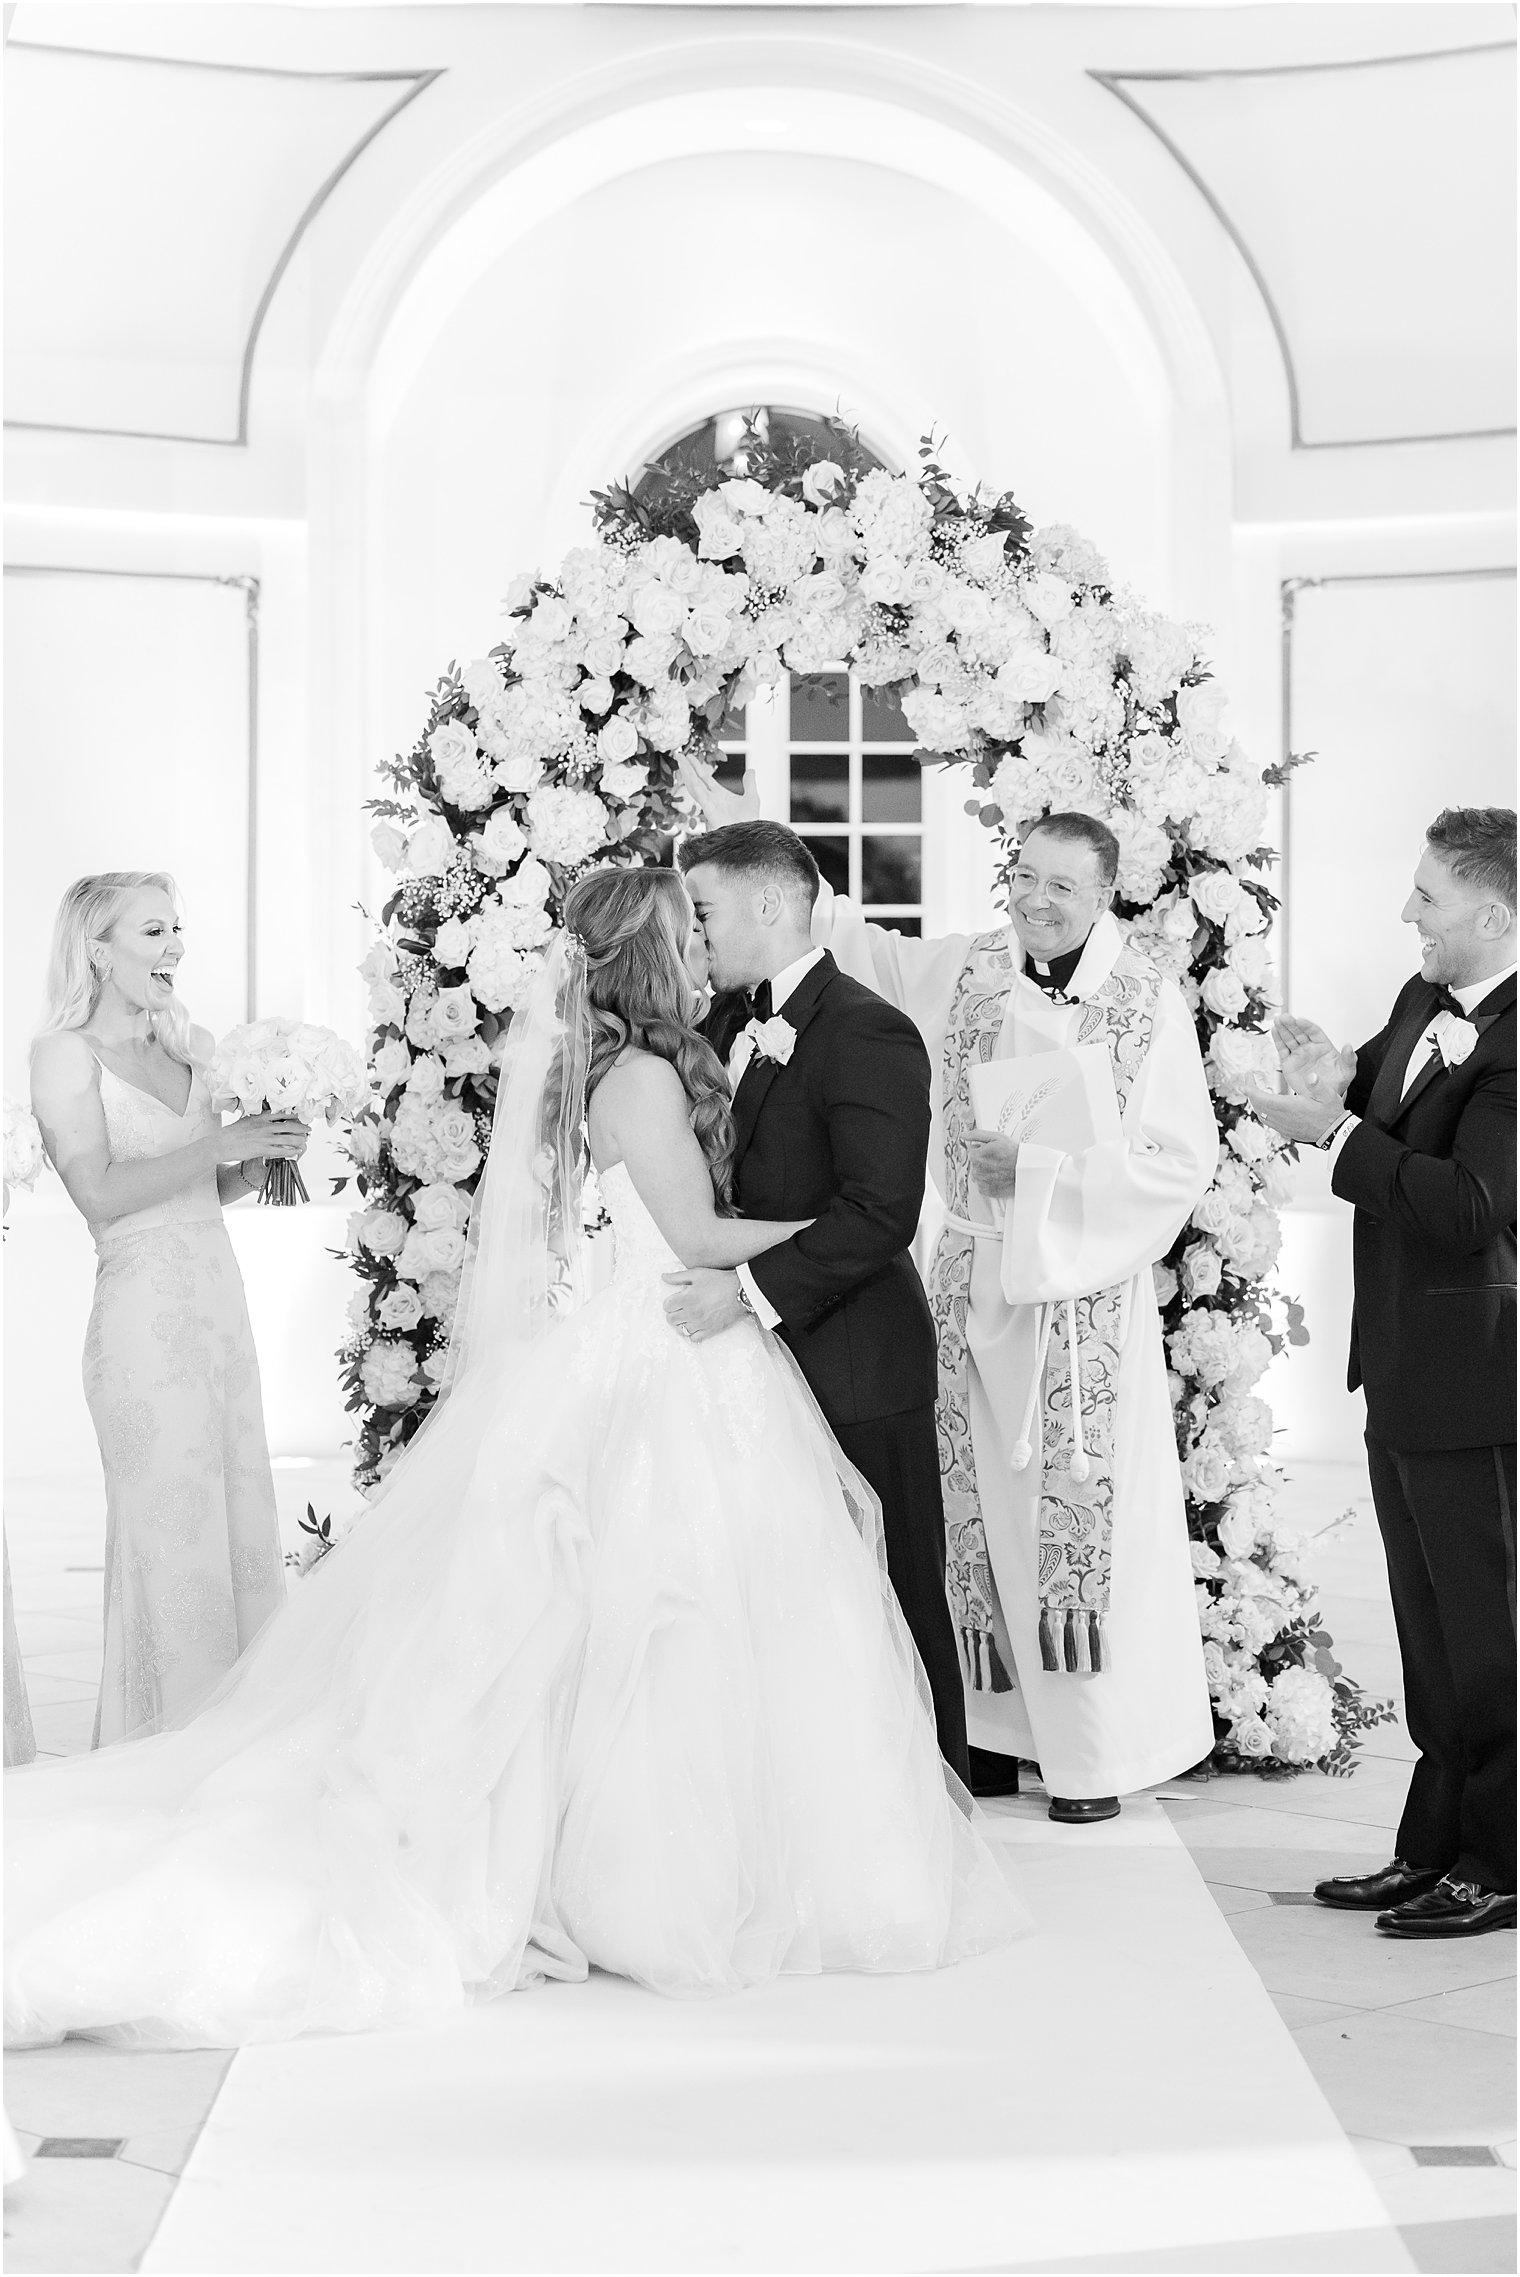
(1420, 1125)
(831, 1111)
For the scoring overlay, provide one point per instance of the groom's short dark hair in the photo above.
(1477, 844)
(754, 850)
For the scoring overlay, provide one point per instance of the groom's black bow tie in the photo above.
(761, 1008)
(1446, 1002)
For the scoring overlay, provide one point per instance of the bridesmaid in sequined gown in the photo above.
(192, 1559)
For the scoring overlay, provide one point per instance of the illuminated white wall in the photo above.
(592, 228)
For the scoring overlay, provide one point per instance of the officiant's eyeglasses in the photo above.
(1056, 889)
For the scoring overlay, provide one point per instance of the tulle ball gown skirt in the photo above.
(610, 1674)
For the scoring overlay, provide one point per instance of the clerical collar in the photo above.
(1056, 977)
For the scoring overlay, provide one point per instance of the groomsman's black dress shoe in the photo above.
(1084, 1812)
(1374, 1893)
(992, 1774)
(1451, 1909)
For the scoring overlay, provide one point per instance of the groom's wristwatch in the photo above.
(744, 1296)
(1342, 1119)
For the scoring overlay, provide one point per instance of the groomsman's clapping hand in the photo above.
(1316, 1075)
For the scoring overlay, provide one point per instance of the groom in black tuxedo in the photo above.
(831, 1111)
(1420, 1126)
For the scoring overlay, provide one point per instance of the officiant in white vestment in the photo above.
(1070, 1576)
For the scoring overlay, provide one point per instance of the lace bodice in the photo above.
(139, 1127)
(639, 1249)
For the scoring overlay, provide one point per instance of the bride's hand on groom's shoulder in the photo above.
(716, 804)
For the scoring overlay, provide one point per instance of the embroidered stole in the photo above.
(1076, 1515)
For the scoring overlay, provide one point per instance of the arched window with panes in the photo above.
(830, 757)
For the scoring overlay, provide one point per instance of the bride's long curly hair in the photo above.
(633, 925)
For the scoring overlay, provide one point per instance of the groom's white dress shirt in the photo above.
(1469, 998)
(741, 1052)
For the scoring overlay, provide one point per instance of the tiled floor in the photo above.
(1411, 2044)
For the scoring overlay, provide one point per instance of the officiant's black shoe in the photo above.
(1375, 1893)
(1451, 1909)
(992, 1774)
(1086, 1811)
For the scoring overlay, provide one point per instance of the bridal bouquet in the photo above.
(24, 1156)
(287, 1067)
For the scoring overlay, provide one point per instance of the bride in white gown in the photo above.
(610, 1673)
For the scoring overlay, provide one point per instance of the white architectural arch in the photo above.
(798, 94)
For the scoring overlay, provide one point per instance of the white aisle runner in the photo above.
(1117, 2084)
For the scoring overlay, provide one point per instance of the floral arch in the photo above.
(1014, 658)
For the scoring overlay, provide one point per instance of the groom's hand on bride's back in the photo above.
(703, 1301)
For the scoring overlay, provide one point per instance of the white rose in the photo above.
(520, 592)
(1199, 713)
(1201, 1270)
(455, 1014)
(655, 609)
(425, 1078)
(389, 844)
(1216, 895)
(381, 1232)
(822, 481)
(462, 777)
(482, 684)
(499, 845)
(1237, 1536)
(719, 531)
(604, 655)
(389, 1375)
(387, 1005)
(1238, 1055)
(529, 883)
(595, 696)
(1206, 1472)
(470, 1055)
(430, 1249)
(1252, 959)
(707, 630)
(519, 771)
(1046, 596)
(434, 1206)
(884, 579)
(833, 535)
(1224, 992)
(1250, 1737)
(618, 739)
(431, 850)
(451, 943)
(1165, 1283)
(624, 783)
(744, 497)
(400, 1307)
(391, 1063)
(551, 620)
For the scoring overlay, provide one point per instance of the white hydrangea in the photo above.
(566, 825)
(389, 1374)
(1300, 1711)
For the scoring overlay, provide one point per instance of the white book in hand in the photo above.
(1061, 1099)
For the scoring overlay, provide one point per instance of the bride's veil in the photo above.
(526, 1256)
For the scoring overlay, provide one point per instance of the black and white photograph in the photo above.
(759, 1267)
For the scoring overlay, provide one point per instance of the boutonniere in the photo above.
(1455, 1039)
(775, 1039)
